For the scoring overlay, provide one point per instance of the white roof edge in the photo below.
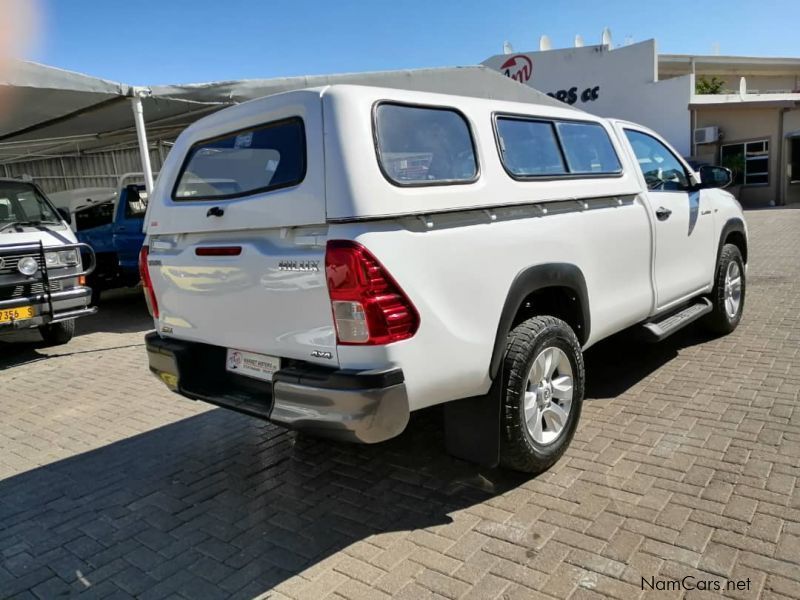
(472, 80)
(713, 58)
(253, 80)
(726, 99)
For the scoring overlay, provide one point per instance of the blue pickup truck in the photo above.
(111, 222)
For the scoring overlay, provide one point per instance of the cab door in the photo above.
(128, 227)
(94, 226)
(682, 217)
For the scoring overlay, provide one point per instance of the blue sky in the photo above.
(178, 41)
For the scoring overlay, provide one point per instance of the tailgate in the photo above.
(271, 298)
(250, 177)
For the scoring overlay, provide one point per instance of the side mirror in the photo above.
(715, 177)
(65, 215)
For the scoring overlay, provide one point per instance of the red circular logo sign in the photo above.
(519, 68)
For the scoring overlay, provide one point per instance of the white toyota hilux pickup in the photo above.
(332, 259)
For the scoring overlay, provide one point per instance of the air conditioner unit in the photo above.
(706, 135)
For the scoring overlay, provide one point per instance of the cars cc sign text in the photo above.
(520, 68)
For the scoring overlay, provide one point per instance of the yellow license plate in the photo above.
(9, 315)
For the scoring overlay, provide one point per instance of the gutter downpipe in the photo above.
(692, 112)
(782, 188)
(141, 135)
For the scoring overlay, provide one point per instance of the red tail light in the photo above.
(147, 283)
(368, 306)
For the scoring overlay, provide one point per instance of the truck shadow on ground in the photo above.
(121, 312)
(221, 505)
(619, 362)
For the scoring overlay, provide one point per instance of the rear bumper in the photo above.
(360, 406)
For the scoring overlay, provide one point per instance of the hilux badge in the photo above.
(299, 265)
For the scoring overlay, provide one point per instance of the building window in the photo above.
(794, 157)
(749, 162)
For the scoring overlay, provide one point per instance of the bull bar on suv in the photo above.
(45, 289)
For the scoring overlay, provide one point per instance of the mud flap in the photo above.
(472, 427)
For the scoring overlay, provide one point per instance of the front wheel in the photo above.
(727, 297)
(57, 334)
(544, 379)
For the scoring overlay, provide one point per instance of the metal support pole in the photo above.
(144, 151)
(64, 173)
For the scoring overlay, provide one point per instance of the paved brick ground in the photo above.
(686, 463)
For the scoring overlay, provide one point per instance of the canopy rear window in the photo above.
(424, 145)
(244, 162)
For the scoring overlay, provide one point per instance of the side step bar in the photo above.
(657, 330)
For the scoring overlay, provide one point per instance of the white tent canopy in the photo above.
(51, 113)
(477, 81)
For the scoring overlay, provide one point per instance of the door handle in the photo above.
(663, 213)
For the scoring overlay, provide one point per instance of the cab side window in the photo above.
(95, 216)
(136, 205)
(6, 210)
(662, 171)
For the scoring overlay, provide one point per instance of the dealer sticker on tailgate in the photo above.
(259, 366)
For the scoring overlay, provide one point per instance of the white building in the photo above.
(748, 118)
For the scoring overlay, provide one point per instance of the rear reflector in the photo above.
(147, 283)
(218, 251)
(368, 305)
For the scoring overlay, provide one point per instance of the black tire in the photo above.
(518, 448)
(719, 320)
(57, 334)
(94, 283)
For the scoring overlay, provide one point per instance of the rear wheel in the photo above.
(543, 394)
(56, 334)
(727, 297)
